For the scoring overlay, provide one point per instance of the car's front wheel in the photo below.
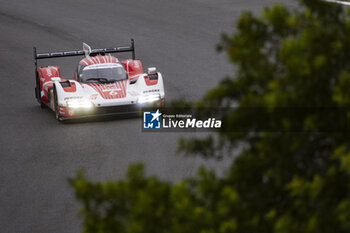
(57, 114)
(42, 105)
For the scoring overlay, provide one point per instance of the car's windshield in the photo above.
(107, 72)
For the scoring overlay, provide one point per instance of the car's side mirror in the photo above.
(151, 70)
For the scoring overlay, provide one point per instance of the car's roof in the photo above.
(98, 60)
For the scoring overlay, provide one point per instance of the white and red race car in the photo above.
(102, 84)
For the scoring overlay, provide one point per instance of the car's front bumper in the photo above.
(69, 113)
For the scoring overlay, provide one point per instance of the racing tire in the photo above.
(37, 96)
(57, 115)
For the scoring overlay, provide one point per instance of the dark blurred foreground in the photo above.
(281, 181)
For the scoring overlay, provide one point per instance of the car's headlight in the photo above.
(79, 104)
(148, 98)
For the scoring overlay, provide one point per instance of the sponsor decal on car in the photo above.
(152, 90)
(73, 97)
(93, 97)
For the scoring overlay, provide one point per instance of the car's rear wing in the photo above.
(71, 53)
(37, 56)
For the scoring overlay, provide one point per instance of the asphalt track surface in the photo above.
(38, 153)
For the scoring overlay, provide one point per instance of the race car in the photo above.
(102, 84)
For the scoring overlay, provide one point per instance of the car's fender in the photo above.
(145, 86)
(71, 92)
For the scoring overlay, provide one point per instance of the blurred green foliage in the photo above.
(279, 182)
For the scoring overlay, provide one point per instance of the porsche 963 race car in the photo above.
(102, 84)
